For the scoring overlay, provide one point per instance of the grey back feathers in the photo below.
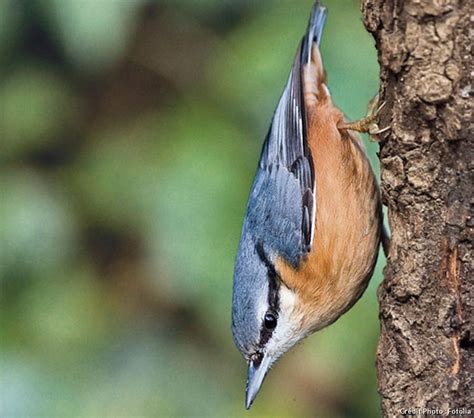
(281, 209)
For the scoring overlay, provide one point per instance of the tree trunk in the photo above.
(424, 357)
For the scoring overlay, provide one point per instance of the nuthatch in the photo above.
(313, 224)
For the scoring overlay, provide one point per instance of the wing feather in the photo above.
(282, 204)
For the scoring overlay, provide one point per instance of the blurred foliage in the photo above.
(130, 135)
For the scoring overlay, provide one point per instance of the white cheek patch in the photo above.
(287, 332)
(288, 298)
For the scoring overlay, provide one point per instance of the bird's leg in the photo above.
(368, 124)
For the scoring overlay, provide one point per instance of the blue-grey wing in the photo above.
(281, 205)
(275, 214)
(281, 210)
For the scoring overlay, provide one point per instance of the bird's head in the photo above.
(268, 317)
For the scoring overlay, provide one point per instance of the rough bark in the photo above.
(424, 357)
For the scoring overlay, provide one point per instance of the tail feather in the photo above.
(314, 88)
(314, 31)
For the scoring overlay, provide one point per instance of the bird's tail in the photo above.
(314, 31)
(310, 59)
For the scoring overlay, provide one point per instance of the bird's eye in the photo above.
(270, 321)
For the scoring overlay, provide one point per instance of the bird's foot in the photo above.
(369, 124)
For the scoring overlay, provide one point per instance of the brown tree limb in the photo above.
(426, 304)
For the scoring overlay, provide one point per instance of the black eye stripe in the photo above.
(263, 257)
(273, 278)
(273, 295)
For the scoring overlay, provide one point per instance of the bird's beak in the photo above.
(256, 373)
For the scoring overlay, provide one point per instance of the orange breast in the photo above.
(348, 222)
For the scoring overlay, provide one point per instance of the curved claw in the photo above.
(378, 131)
(379, 109)
(368, 124)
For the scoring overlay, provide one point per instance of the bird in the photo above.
(313, 225)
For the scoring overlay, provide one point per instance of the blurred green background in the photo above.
(130, 133)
